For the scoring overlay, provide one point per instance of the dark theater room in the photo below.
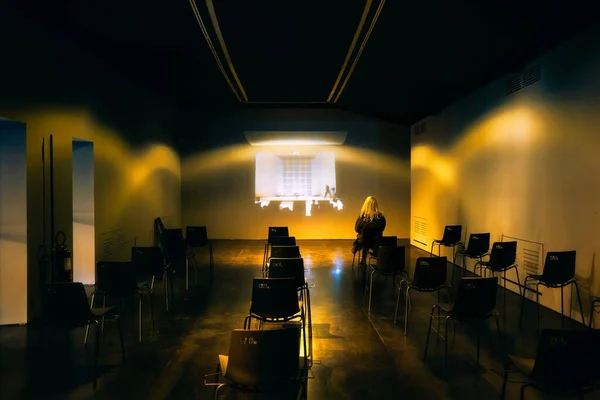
(211, 199)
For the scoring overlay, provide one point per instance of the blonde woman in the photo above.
(369, 225)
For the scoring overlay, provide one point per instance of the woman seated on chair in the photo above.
(369, 225)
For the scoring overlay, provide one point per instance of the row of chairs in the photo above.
(558, 271)
(67, 302)
(263, 359)
(179, 251)
(475, 302)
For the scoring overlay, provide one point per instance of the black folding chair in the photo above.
(276, 301)
(118, 279)
(67, 305)
(196, 237)
(382, 241)
(281, 252)
(566, 363)
(475, 302)
(559, 272)
(274, 231)
(431, 274)
(390, 261)
(148, 262)
(452, 238)
(294, 268)
(283, 241)
(477, 248)
(503, 258)
(261, 361)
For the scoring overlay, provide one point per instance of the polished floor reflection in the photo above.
(357, 356)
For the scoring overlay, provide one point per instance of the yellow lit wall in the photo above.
(523, 165)
(57, 88)
(218, 174)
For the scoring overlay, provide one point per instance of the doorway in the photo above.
(84, 239)
(13, 223)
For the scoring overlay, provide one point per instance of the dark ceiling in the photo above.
(420, 55)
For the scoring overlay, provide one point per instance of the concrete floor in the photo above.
(357, 356)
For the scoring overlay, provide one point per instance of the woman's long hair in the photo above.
(370, 209)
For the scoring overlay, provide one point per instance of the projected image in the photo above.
(297, 179)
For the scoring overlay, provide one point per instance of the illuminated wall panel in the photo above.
(522, 164)
(13, 223)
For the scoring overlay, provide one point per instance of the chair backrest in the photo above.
(431, 273)
(283, 241)
(288, 268)
(171, 243)
(196, 236)
(274, 298)
(67, 304)
(567, 359)
(159, 225)
(479, 244)
(503, 255)
(147, 260)
(390, 259)
(263, 357)
(475, 298)
(277, 231)
(559, 267)
(452, 235)
(285, 252)
(385, 241)
(116, 278)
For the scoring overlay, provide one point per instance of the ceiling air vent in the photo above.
(523, 79)
(421, 128)
(532, 75)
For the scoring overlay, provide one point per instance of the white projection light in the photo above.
(285, 179)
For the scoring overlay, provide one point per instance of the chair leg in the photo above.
(398, 299)
(211, 260)
(523, 297)
(579, 301)
(504, 379)
(371, 290)
(151, 311)
(166, 285)
(217, 390)
(187, 273)
(428, 335)
(120, 328)
(310, 330)
(521, 290)
(500, 339)
(537, 302)
(446, 348)
(562, 307)
(96, 353)
(140, 318)
(407, 303)
(152, 282)
(522, 395)
(87, 328)
(103, 306)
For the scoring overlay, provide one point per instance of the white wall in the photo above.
(524, 164)
(13, 223)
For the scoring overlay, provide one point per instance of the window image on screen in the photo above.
(297, 179)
